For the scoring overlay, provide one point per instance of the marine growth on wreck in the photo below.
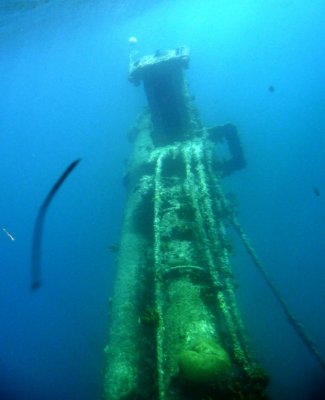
(176, 330)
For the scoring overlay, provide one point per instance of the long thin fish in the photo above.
(39, 224)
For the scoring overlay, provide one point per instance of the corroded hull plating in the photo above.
(176, 330)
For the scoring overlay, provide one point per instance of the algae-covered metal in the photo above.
(176, 332)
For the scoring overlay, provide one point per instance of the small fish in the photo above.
(8, 234)
(271, 89)
(113, 248)
(316, 191)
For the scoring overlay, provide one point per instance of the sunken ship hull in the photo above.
(176, 331)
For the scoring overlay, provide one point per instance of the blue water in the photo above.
(64, 94)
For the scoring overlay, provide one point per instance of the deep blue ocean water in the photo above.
(64, 94)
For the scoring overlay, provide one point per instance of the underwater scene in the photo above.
(162, 217)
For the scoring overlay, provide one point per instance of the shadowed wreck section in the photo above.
(176, 331)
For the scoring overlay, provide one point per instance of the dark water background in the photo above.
(64, 94)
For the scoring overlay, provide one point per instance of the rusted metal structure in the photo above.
(176, 331)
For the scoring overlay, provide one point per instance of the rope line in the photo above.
(311, 346)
